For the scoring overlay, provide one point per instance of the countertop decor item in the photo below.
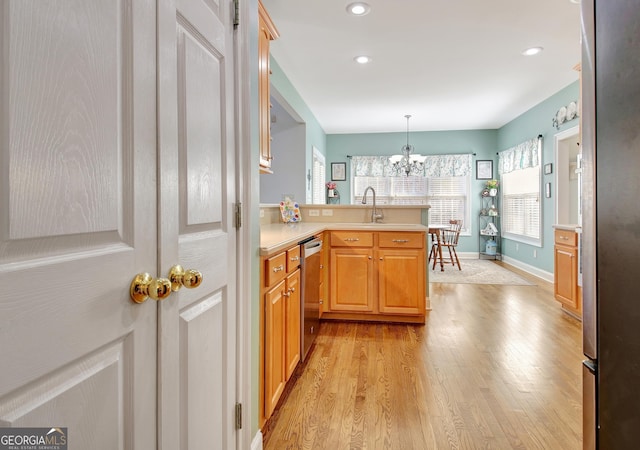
(290, 210)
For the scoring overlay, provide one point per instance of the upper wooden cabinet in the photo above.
(267, 32)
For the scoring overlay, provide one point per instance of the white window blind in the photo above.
(318, 175)
(521, 204)
(392, 190)
(448, 197)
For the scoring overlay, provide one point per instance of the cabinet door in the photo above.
(401, 281)
(292, 321)
(266, 33)
(565, 286)
(274, 346)
(351, 280)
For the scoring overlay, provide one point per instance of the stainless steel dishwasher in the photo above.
(310, 292)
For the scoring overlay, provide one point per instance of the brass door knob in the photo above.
(179, 277)
(144, 286)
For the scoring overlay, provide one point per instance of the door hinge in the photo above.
(238, 215)
(236, 13)
(238, 416)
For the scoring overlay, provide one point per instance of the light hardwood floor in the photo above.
(495, 367)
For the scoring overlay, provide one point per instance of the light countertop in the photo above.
(280, 236)
(569, 227)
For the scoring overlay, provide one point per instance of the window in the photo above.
(393, 190)
(449, 199)
(441, 181)
(447, 196)
(521, 205)
(318, 178)
(520, 180)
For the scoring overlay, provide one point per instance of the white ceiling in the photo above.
(451, 64)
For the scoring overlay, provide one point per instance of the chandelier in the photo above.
(407, 163)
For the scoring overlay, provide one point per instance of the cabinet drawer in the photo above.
(293, 258)
(401, 239)
(566, 237)
(351, 239)
(275, 269)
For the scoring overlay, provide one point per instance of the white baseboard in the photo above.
(546, 276)
(256, 444)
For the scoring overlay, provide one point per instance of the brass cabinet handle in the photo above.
(144, 286)
(352, 239)
(278, 268)
(294, 258)
(179, 277)
(400, 241)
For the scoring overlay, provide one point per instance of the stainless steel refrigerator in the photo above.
(610, 244)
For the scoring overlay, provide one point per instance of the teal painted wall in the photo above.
(538, 120)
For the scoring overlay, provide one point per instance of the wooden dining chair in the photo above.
(449, 240)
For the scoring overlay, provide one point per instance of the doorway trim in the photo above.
(561, 165)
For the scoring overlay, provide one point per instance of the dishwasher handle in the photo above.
(311, 248)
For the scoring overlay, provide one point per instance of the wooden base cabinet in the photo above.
(565, 284)
(292, 317)
(274, 346)
(351, 280)
(280, 347)
(399, 288)
(377, 276)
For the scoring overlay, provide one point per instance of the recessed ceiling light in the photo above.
(532, 51)
(362, 59)
(577, 2)
(358, 8)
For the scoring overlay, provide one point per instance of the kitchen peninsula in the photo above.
(368, 271)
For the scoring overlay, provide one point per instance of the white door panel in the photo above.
(197, 197)
(78, 157)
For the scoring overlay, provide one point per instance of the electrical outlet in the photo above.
(261, 213)
(327, 212)
(314, 213)
(535, 253)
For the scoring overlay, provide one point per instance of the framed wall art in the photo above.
(338, 171)
(484, 169)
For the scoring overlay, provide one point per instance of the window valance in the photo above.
(522, 156)
(457, 165)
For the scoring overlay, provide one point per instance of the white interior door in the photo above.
(197, 371)
(78, 219)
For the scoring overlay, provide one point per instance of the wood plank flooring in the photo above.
(494, 367)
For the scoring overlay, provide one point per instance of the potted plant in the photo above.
(492, 185)
(331, 186)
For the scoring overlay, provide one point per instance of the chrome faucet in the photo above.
(375, 216)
